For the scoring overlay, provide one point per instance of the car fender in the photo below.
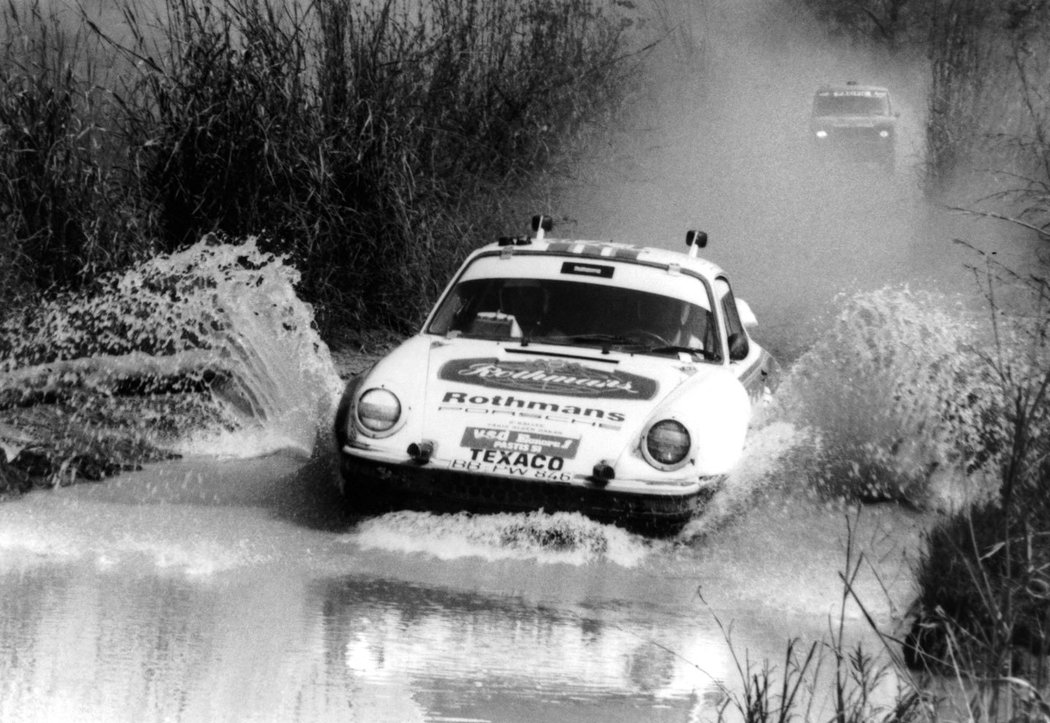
(719, 418)
(716, 409)
(403, 372)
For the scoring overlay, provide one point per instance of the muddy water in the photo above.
(238, 590)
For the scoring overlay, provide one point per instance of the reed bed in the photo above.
(371, 143)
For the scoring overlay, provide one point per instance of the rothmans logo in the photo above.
(549, 377)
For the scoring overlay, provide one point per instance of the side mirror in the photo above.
(747, 317)
(738, 346)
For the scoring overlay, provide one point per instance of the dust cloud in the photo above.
(721, 143)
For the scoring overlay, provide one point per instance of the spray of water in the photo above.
(207, 350)
(538, 536)
(898, 402)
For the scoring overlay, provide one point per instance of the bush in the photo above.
(990, 595)
(983, 610)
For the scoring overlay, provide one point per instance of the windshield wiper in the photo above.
(603, 339)
(672, 349)
(606, 341)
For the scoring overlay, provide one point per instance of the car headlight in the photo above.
(667, 444)
(822, 133)
(378, 410)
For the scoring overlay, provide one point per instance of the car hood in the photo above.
(478, 400)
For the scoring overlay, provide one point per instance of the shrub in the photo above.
(983, 609)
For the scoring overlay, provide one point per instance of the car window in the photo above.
(577, 313)
(735, 335)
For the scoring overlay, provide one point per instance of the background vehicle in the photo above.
(854, 122)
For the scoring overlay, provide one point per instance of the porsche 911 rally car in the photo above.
(557, 374)
(854, 122)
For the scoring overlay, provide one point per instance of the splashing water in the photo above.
(204, 351)
(899, 404)
(767, 444)
(561, 537)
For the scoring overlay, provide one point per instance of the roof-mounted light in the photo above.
(541, 224)
(695, 240)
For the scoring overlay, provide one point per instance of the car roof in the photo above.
(607, 250)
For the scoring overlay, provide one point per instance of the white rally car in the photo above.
(604, 378)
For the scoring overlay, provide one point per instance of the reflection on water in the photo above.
(479, 657)
(82, 644)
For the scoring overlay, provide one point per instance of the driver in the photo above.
(676, 322)
(529, 303)
(661, 316)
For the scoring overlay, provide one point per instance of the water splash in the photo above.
(205, 351)
(899, 403)
(560, 537)
(759, 470)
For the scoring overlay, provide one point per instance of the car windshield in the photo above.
(556, 311)
(856, 103)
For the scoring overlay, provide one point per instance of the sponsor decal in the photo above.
(508, 440)
(513, 464)
(480, 403)
(516, 459)
(549, 376)
(574, 267)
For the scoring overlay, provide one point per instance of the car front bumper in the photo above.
(373, 485)
(855, 144)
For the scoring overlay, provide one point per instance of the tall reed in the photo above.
(64, 212)
(832, 679)
(372, 143)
